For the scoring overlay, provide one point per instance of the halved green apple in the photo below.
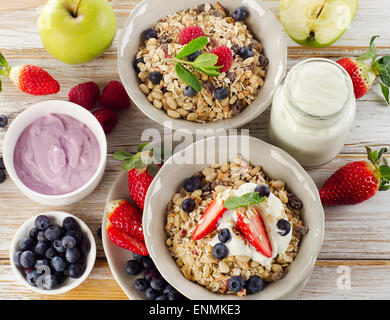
(317, 23)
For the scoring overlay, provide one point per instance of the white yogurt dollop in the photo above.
(271, 211)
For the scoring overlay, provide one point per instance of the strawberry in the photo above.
(365, 69)
(126, 217)
(30, 79)
(209, 220)
(126, 241)
(357, 181)
(141, 167)
(252, 227)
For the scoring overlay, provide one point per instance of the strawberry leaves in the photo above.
(245, 200)
(381, 167)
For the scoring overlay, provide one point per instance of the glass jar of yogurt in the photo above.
(312, 111)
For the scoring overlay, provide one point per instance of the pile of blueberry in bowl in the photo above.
(152, 283)
(53, 252)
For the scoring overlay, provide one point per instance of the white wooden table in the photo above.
(357, 237)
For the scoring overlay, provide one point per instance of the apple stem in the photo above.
(76, 8)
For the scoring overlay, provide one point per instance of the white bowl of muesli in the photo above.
(188, 64)
(244, 221)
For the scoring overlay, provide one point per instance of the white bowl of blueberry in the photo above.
(53, 252)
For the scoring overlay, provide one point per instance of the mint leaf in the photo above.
(371, 54)
(186, 75)
(209, 71)
(192, 47)
(383, 65)
(122, 155)
(385, 92)
(247, 199)
(206, 60)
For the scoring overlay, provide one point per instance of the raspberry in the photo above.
(107, 118)
(114, 96)
(225, 57)
(190, 33)
(85, 94)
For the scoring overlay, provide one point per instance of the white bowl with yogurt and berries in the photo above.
(239, 244)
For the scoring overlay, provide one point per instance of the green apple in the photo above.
(317, 23)
(77, 31)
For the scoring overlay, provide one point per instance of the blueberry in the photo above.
(168, 288)
(77, 234)
(2, 176)
(76, 270)
(221, 93)
(148, 34)
(224, 235)
(41, 248)
(158, 284)
(32, 277)
(16, 258)
(61, 276)
(150, 274)
(239, 14)
(53, 233)
(151, 294)
(220, 251)
(162, 297)
(175, 295)
(70, 223)
(26, 244)
(135, 64)
(41, 236)
(42, 222)
(254, 284)
(193, 56)
(263, 190)
(141, 284)
(147, 262)
(155, 77)
(188, 205)
(27, 259)
(33, 233)
(49, 281)
(58, 264)
(2, 166)
(189, 91)
(236, 284)
(3, 120)
(137, 256)
(50, 253)
(57, 244)
(85, 245)
(41, 262)
(284, 227)
(68, 242)
(191, 184)
(245, 53)
(133, 267)
(72, 255)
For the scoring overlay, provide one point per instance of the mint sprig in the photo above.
(245, 200)
(205, 63)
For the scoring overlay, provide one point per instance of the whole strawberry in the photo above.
(85, 94)
(366, 69)
(30, 79)
(357, 181)
(141, 169)
(114, 96)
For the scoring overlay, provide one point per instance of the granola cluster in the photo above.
(244, 79)
(195, 258)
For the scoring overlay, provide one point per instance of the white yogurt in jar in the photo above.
(271, 211)
(312, 111)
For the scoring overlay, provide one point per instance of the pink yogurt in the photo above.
(56, 154)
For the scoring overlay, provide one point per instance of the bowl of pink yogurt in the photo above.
(55, 152)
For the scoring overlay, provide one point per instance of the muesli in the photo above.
(241, 61)
(236, 251)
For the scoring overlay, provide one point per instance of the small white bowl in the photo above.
(261, 22)
(56, 217)
(277, 164)
(36, 111)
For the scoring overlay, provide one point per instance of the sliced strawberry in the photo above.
(126, 241)
(252, 227)
(209, 220)
(126, 217)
